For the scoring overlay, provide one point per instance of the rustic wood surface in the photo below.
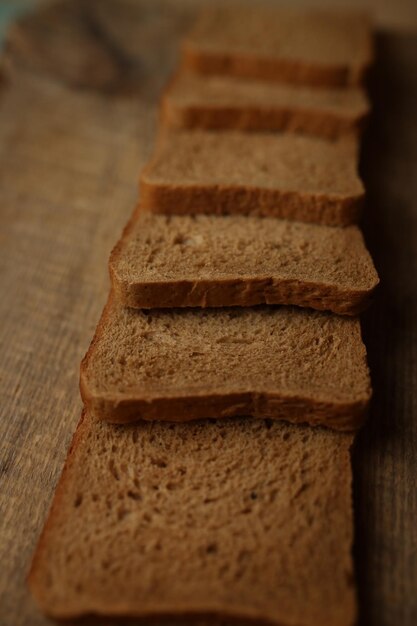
(77, 119)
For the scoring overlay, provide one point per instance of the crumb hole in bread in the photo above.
(179, 239)
(286, 436)
(253, 495)
(223, 569)
(78, 500)
(272, 495)
(122, 513)
(158, 462)
(301, 490)
(134, 495)
(113, 470)
(211, 548)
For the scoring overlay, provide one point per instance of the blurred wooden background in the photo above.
(77, 117)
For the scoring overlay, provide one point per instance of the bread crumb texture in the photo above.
(232, 518)
(271, 161)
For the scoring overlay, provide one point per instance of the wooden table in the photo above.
(77, 119)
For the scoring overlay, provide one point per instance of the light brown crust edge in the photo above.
(285, 70)
(241, 292)
(342, 417)
(222, 200)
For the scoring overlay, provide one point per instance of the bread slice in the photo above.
(283, 363)
(195, 101)
(308, 47)
(210, 261)
(288, 176)
(233, 518)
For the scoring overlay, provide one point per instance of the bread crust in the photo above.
(242, 292)
(273, 69)
(315, 208)
(251, 118)
(295, 409)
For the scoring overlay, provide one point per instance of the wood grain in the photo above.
(72, 141)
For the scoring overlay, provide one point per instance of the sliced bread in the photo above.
(282, 175)
(210, 261)
(217, 102)
(283, 363)
(233, 519)
(310, 46)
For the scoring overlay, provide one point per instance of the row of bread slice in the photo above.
(259, 70)
(231, 519)
(209, 234)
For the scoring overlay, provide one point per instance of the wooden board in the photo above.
(77, 120)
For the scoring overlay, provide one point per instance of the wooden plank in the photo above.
(71, 146)
(386, 454)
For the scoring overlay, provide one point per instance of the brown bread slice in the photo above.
(309, 46)
(233, 519)
(217, 102)
(210, 261)
(283, 175)
(283, 363)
